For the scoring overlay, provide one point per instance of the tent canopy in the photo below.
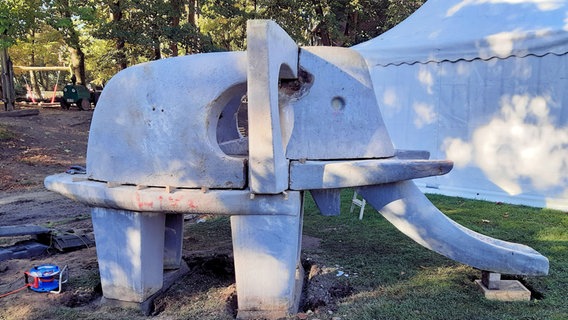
(483, 83)
(443, 30)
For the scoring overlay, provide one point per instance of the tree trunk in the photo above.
(7, 81)
(174, 48)
(156, 50)
(78, 64)
(321, 29)
(116, 15)
(121, 57)
(176, 7)
(34, 83)
(71, 37)
(192, 16)
(192, 12)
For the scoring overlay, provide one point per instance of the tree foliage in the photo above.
(17, 17)
(103, 37)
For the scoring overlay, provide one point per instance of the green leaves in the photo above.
(16, 18)
(117, 33)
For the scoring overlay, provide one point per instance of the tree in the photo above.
(174, 15)
(7, 80)
(103, 37)
(349, 22)
(16, 17)
(309, 22)
(225, 22)
(42, 46)
(67, 17)
(112, 27)
(398, 10)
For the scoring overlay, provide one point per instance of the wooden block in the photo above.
(72, 241)
(20, 113)
(111, 184)
(22, 230)
(510, 290)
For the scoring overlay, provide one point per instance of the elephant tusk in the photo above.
(406, 207)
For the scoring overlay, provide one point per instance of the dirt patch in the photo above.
(34, 147)
(323, 288)
(40, 145)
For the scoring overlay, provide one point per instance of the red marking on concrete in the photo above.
(142, 204)
(174, 201)
(191, 205)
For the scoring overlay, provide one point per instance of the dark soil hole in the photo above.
(205, 272)
(160, 306)
(98, 289)
(322, 290)
(219, 266)
(472, 277)
(535, 294)
(81, 296)
(232, 302)
(341, 290)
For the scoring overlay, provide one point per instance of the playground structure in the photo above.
(30, 92)
(252, 132)
(64, 94)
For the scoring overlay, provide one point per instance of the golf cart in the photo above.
(76, 94)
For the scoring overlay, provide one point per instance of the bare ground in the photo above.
(34, 147)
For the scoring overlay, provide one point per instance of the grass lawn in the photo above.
(395, 278)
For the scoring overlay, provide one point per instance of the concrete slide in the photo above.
(406, 207)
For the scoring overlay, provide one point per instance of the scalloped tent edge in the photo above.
(443, 30)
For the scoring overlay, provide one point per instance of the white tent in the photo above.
(485, 84)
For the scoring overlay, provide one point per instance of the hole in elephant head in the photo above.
(338, 103)
(232, 121)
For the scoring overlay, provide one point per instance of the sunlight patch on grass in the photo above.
(555, 234)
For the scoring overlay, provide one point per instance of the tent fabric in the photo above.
(502, 119)
(444, 30)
